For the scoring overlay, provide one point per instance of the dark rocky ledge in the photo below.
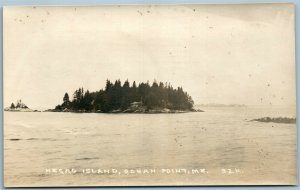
(276, 120)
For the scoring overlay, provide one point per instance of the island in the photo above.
(19, 107)
(125, 98)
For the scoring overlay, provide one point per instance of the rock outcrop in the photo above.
(276, 120)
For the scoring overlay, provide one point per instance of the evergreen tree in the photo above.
(87, 101)
(125, 95)
(66, 101)
(12, 106)
(66, 98)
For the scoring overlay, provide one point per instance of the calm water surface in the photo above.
(217, 139)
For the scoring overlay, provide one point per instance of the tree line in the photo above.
(118, 96)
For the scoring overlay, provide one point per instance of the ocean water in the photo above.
(217, 147)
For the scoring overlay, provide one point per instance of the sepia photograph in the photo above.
(149, 95)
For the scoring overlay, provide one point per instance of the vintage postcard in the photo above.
(149, 95)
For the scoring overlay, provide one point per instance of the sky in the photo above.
(228, 54)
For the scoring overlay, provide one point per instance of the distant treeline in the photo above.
(118, 96)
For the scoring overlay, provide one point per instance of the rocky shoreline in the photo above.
(130, 110)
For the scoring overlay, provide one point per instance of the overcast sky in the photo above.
(218, 54)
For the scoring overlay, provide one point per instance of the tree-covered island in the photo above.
(19, 107)
(125, 98)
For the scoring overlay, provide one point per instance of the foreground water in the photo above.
(217, 147)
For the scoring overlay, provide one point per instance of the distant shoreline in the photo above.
(221, 105)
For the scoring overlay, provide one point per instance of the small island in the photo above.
(125, 98)
(19, 107)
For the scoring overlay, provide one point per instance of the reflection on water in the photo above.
(217, 140)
